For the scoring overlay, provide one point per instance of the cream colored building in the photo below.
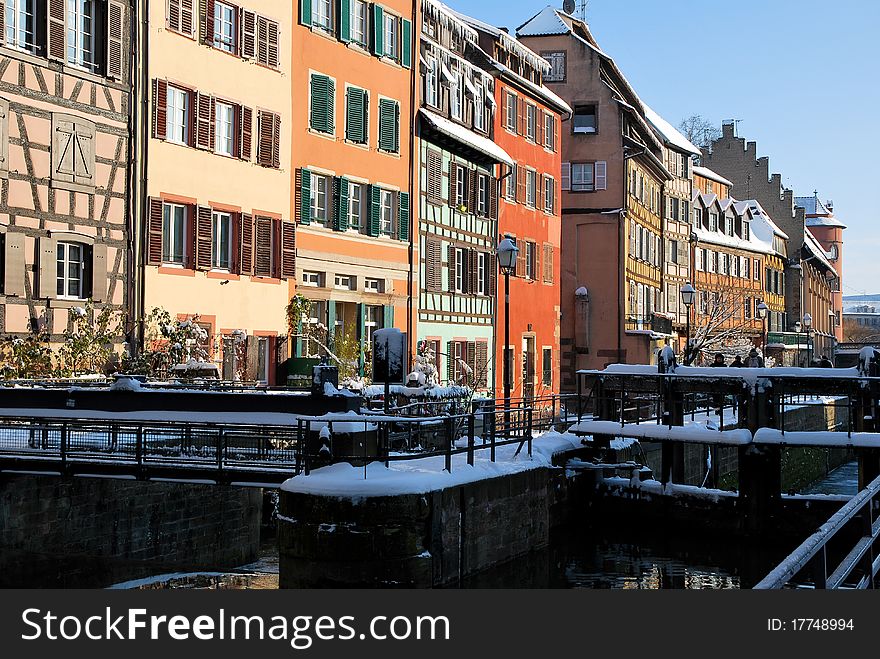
(216, 241)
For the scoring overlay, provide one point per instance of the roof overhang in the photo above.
(455, 137)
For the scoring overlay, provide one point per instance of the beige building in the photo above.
(64, 107)
(217, 244)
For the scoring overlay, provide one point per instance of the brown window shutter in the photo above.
(492, 265)
(204, 114)
(206, 23)
(536, 269)
(160, 109)
(521, 260)
(247, 244)
(235, 261)
(450, 361)
(154, 232)
(276, 248)
(472, 271)
(189, 257)
(115, 31)
(548, 263)
(203, 238)
(471, 348)
(539, 192)
(262, 40)
(493, 198)
(269, 139)
(247, 120)
(435, 176)
(433, 265)
(481, 368)
(262, 247)
(520, 184)
(186, 17)
(248, 45)
(56, 25)
(276, 141)
(453, 182)
(520, 116)
(472, 193)
(273, 44)
(288, 250)
(174, 9)
(450, 267)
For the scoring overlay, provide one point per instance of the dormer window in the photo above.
(747, 230)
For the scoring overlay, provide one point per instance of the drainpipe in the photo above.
(415, 203)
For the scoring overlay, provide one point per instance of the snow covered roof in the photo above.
(759, 213)
(546, 21)
(705, 172)
(762, 228)
(509, 42)
(818, 214)
(669, 133)
(539, 90)
(477, 142)
(449, 18)
(825, 222)
(816, 249)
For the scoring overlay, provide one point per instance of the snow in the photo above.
(448, 19)
(866, 356)
(157, 416)
(818, 251)
(670, 134)
(422, 475)
(825, 222)
(705, 172)
(429, 391)
(539, 90)
(468, 137)
(581, 292)
(657, 488)
(818, 438)
(546, 21)
(749, 376)
(125, 384)
(691, 433)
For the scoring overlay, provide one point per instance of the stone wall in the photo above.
(90, 532)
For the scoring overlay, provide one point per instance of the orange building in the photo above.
(352, 167)
(527, 127)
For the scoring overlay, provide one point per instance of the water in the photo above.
(843, 480)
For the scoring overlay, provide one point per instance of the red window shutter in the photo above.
(160, 109)
(262, 247)
(247, 120)
(520, 184)
(248, 34)
(288, 250)
(520, 116)
(203, 238)
(204, 121)
(247, 244)
(56, 29)
(539, 192)
(154, 232)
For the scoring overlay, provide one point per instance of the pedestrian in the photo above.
(737, 362)
(718, 399)
(754, 360)
(719, 361)
(825, 362)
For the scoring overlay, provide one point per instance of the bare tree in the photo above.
(721, 325)
(700, 131)
(855, 333)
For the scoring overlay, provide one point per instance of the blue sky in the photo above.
(801, 75)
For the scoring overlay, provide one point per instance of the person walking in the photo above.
(755, 360)
(718, 399)
(737, 362)
(825, 362)
(719, 361)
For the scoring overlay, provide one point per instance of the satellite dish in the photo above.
(568, 7)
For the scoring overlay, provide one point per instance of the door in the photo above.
(528, 370)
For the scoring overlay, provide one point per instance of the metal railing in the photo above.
(843, 553)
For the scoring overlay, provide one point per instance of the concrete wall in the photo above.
(82, 532)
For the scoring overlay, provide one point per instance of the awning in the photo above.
(466, 137)
(468, 85)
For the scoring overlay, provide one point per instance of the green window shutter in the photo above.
(403, 216)
(361, 334)
(345, 20)
(388, 125)
(378, 31)
(405, 43)
(356, 115)
(305, 197)
(341, 223)
(397, 128)
(375, 210)
(388, 316)
(331, 106)
(305, 12)
(322, 112)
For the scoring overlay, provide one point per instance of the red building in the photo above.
(527, 127)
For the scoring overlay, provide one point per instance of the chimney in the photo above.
(728, 129)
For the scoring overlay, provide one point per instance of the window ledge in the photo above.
(66, 302)
(391, 62)
(74, 187)
(170, 269)
(257, 279)
(321, 134)
(224, 275)
(325, 32)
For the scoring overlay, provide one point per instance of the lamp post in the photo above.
(688, 295)
(506, 253)
(808, 323)
(797, 329)
(762, 314)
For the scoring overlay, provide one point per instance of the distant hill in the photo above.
(874, 297)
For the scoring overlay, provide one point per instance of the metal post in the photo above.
(219, 452)
(63, 447)
(507, 360)
(448, 465)
(470, 451)
(305, 448)
(529, 430)
(764, 337)
(687, 345)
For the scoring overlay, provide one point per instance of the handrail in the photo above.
(813, 552)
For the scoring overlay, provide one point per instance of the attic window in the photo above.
(584, 119)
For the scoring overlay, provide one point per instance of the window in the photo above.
(373, 320)
(460, 180)
(221, 249)
(355, 205)
(70, 268)
(584, 120)
(389, 125)
(224, 27)
(318, 198)
(557, 66)
(531, 122)
(431, 83)
(459, 270)
(582, 177)
(698, 218)
(344, 282)
(224, 121)
(322, 14)
(262, 374)
(510, 183)
(757, 269)
(311, 279)
(713, 221)
(510, 105)
(173, 232)
(356, 115)
(386, 212)
(729, 226)
(178, 116)
(359, 21)
(456, 94)
(73, 151)
(531, 187)
(531, 261)
(390, 36)
(20, 22)
(549, 194)
(479, 113)
(83, 33)
(323, 109)
(374, 285)
(547, 367)
(550, 131)
(746, 230)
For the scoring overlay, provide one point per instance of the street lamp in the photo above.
(797, 329)
(808, 323)
(506, 252)
(688, 295)
(762, 314)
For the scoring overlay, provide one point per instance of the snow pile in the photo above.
(125, 384)
(427, 391)
(691, 433)
(818, 438)
(428, 474)
(747, 375)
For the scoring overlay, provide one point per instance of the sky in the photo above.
(799, 76)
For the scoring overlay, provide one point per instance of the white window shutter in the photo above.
(601, 175)
(566, 176)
